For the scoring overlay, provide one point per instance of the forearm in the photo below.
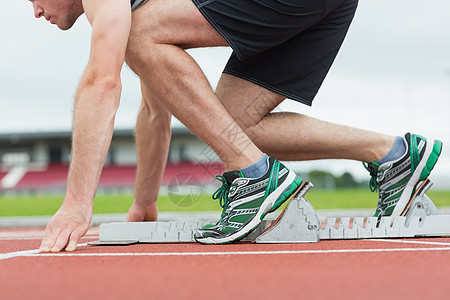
(153, 135)
(96, 103)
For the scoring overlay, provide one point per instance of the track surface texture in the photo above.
(351, 269)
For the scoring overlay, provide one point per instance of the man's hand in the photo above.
(66, 228)
(141, 213)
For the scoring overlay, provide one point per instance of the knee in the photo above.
(140, 53)
(144, 35)
(136, 48)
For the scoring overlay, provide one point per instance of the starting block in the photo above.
(298, 223)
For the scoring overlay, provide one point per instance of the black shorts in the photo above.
(286, 46)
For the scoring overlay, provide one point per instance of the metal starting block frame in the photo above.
(298, 223)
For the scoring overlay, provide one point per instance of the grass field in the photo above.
(36, 205)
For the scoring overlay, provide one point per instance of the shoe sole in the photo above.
(266, 207)
(423, 170)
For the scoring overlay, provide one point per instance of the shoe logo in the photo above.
(240, 182)
(382, 171)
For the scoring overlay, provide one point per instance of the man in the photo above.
(281, 49)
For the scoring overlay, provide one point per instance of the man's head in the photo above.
(63, 13)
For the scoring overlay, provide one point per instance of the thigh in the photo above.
(246, 102)
(174, 22)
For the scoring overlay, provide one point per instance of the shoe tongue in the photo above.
(232, 175)
(373, 168)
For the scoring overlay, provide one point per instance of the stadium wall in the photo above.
(27, 159)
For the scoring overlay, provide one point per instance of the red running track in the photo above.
(354, 269)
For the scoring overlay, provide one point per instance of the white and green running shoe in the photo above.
(246, 201)
(397, 180)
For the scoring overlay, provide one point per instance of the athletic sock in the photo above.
(256, 170)
(397, 151)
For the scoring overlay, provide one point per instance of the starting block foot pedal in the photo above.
(421, 205)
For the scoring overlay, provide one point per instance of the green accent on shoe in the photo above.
(207, 235)
(240, 218)
(253, 204)
(286, 195)
(431, 162)
(389, 210)
(208, 226)
(273, 179)
(414, 153)
(228, 229)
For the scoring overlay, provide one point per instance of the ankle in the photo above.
(397, 151)
(243, 160)
(256, 169)
(380, 149)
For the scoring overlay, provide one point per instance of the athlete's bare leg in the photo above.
(160, 31)
(293, 136)
(155, 52)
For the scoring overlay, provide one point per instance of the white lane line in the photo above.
(18, 254)
(36, 234)
(27, 253)
(410, 242)
(64, 254)
(40, 237)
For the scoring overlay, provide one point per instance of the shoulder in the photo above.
(114, 8)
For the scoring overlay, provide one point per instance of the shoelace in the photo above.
(373, 184)
(222, 192)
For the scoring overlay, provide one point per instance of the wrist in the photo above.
(83, 203)
(145, 193)
(145, 202)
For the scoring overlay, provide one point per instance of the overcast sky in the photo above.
(391, 75)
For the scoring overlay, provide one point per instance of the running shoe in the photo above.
(397, 180)
(246, 201)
